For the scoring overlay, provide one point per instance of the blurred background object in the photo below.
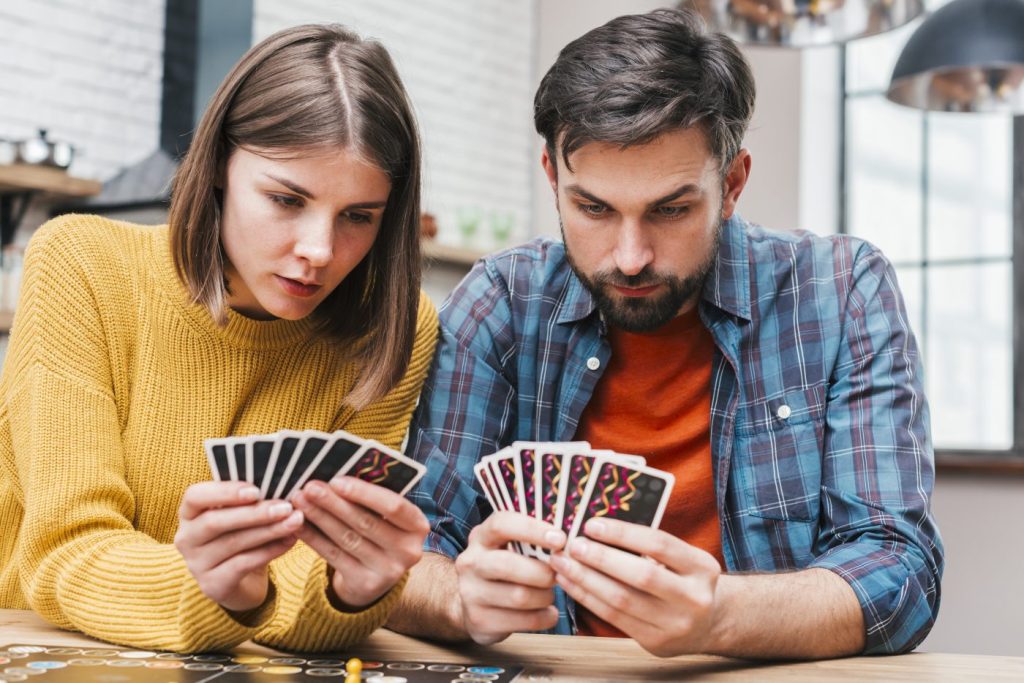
(966, 57)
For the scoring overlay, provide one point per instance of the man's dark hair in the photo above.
(640, 76)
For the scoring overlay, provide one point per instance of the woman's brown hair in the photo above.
(300, 90)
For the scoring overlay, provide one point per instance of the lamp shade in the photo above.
(968, 56)
(803, 23)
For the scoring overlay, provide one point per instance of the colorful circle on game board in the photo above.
(5, 660)
(22, 671)
(478, 678)
(126, 663)
(26, 649)
(47, 665)
(203, 666)
(211, 658)
(287, 661)
(13, 677)
(177, 656)
(446, 668)
(86, 661)
(372, 665)
(406, 666)
(136, 654)
(249, 659)
(63, 651)
(243, 668)
(485, 670)
(100, 653)
(326, 672)
(391, 679)
(326, 663)
(164, 664)
(282, 670)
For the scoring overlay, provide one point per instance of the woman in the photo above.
(283, 294)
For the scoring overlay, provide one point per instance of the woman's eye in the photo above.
(359, 217)
(285, 200)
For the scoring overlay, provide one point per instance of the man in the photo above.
(774, 374)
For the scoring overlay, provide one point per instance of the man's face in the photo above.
(641, 224)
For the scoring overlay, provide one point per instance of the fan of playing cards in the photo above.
(280, 463)
(565, 484)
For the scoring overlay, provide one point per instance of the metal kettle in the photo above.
(42, 151)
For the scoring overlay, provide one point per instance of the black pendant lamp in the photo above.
(966, 57)
(803, 23)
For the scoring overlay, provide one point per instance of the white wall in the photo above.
(88, 72)
(467, 67)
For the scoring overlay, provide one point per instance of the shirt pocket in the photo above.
(776, 458)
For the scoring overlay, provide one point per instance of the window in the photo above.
(936, 191)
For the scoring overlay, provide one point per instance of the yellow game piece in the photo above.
(353, 678)
(354, 667)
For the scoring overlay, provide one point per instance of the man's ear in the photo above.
(735, 180)
(550, 169)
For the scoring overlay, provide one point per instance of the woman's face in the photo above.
(293, 229)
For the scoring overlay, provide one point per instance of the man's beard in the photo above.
(647, 313)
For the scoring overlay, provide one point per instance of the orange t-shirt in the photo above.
(654, 400)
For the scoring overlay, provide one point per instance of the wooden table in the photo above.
(561, 659)
(20, 182)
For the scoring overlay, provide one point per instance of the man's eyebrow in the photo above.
(297, 189)
(688, 188)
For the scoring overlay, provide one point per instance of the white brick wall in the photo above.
(468, 67)
(89, 72)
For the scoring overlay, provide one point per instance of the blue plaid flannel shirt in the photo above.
(813, 323)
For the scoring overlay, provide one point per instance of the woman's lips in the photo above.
(296, 288)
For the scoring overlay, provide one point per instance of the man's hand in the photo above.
(667, 605)
(228, 538)
(501, 591)
(370, 536)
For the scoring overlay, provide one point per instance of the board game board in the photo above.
(44, 664)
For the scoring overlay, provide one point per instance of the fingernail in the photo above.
(294, 520)
(342, 485)
(280, 509)
(249, 493)
(595, 528)
(314, 490)
(579, 547)
(559, 563)
(555, 539)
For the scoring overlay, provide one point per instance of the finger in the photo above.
(255, 558)
(512, 596)
(632, 626)
(641, 573)
(224, 547)
(659, 545)
(217, 522)
(319, 500)
(214, 494)
(398, 510)
(622, 597)
(498, 623)
(505, 565)
(502, 527)
(333, 540)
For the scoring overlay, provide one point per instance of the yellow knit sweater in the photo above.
(111, 383)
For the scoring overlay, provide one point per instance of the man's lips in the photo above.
(635, 291)
(297, 287)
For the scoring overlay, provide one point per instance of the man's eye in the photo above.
(285, 200)
(592, 209)
(672, 211)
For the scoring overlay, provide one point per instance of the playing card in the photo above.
(217, 457)
(383, 466)
(261, 452)
(288, 442)
(304, 457)
(548, 476)
(494, 494)
(619, 490)
(576, 469)
(340, 447)
(240, 460)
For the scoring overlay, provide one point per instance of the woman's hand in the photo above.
(370, 536)
(228, 537)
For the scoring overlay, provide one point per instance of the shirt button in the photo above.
(784, 412)
(593, 363)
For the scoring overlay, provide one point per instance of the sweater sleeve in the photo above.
(82, 564)
(305, 619)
